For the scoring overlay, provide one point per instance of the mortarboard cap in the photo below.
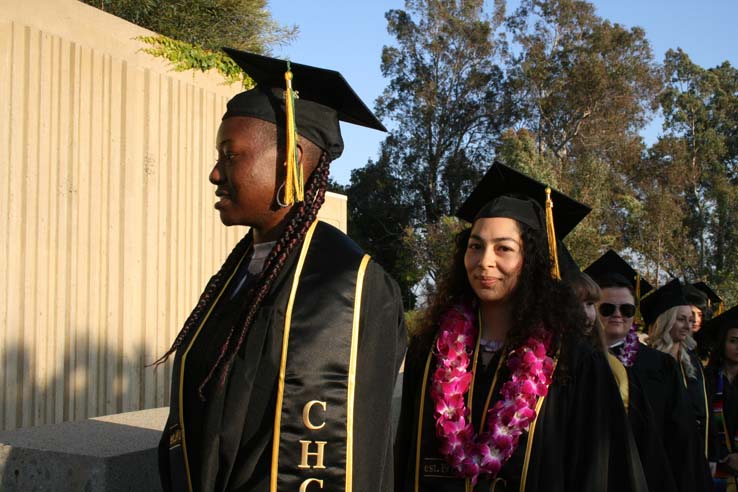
(567, 265)
(727, 320)
(694, 296)
(612, 263)
(714, 300)
(661, 300)
(323, 98)
(505, 192)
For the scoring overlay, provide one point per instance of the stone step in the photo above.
(114, 453)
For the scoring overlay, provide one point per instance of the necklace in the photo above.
(471, 454)
(630, 348)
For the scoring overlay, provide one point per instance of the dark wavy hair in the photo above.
(717, 351)
(537, 300)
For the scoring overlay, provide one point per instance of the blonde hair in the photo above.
(659, 337)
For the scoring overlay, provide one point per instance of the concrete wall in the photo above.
(107, 232)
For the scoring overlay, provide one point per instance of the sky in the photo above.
(348, 36)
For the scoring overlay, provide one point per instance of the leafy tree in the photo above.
(585, 85)
(446, 100)
(567, 111)
(432, 246)
(378, 217)
(656, 226)
(191, 32)
(584, 88)
(698, 158)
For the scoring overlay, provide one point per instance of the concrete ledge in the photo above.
(114, 453)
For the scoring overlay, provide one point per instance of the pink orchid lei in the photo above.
(472, 455)
(630, 347)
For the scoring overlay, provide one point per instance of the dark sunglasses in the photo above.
(607, 309)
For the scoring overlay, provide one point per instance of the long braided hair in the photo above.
(302, 215)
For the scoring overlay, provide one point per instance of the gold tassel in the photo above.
(638, 316)
(720, 309)
(551, 233)
(293, 188)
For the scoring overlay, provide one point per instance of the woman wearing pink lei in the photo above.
(502, 391)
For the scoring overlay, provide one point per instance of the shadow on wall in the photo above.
(89, 380)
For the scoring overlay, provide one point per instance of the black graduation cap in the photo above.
(567, 265)
(613, 263)
(714, 300)
(661, 300)
(727, 320)
(323, 98)
(522, 198)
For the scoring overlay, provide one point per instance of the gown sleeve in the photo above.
(717, 450)
(582, 439)
(602, 453)
(681, 443)
(382, 342)
(655, 464)
(409, 407)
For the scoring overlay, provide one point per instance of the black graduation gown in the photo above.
(697, 396)
(229, 436)
(581, 439)
(705, 342)
(654, 461)
(661, 381)
(718, 448)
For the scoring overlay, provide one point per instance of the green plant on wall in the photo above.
(190, 33)
(186, 56)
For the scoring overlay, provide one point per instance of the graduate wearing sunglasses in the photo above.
(616, 311)
(658, 409)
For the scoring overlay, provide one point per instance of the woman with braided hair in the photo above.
(283, 373)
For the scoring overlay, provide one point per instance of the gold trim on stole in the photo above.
(470, 394)
(531, 430)
(420, 416)
(485, 409)
(704, 393)
(707, 409)
(352, 374)
(731, 482)
(684, 376)
(283, 363)
(621, 378)
(182, 368)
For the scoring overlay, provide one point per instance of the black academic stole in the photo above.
(313, 423)
(431, 472)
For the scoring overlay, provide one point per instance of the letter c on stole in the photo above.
(304, 485)
(306, 414)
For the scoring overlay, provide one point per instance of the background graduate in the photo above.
(588, 293)
(501, 389)
(283, 373)
(704, 308)
(616, 311)
(668, 316)
(722, 388)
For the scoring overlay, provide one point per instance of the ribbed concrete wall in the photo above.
(107, 231)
